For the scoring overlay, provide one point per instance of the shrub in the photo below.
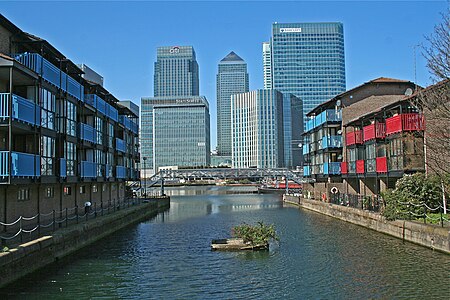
(255, 235)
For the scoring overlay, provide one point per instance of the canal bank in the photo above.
(430, 236)
(36, 254)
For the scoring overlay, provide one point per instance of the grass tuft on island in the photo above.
(247, 237)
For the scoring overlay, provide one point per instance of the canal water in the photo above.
(169, 257)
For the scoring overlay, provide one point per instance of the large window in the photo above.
(47, 155)
(99, 129)
(71, 119)
(47, 101)
(70, 152)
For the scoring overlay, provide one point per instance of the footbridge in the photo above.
(221, 174)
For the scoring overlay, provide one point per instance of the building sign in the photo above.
(174, 50)
(287, 30)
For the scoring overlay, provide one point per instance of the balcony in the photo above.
(23, 110)
(96, 102)
(405, 122)
(329, 115)
(353, 138)
(333, 141)
(344, 167)
(120, 145)
(88, 169)
(112, 113)
(87, 133)
(374, 131)
(51, 73)
(351, 167)
(360, 166)
(306, 171)
(381, 164)
(62, 168)
(370, 165)
(121, 172)
(22, 164)
(332, 168)
(305, 149)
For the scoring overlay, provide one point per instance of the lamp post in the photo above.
(145, 178)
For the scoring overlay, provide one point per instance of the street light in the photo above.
(145, 178)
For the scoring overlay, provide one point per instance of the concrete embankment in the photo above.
(36, 254)
(431, 236)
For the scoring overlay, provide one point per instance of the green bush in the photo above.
(411, 192)
(255, 235)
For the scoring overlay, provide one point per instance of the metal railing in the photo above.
(24, 229)
(371, 203)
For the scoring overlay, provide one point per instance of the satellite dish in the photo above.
(408, 92)
(338, 103)
(339, 131)
(300, 145)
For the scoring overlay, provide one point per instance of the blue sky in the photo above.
(119, 39)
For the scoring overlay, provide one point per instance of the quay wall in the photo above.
(36, 254)
(431, 236)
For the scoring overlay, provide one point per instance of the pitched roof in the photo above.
(231, 57)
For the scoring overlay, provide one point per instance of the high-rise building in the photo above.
(175, 122)
(307, 60)
(267, 65)
(232, 78)
(180, 131)
(176, 72)
(257, 129)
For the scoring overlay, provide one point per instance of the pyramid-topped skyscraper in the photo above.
(232, 78)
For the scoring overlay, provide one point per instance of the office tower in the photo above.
(175, 122)
(257, 129)
(292, 130)
(267, 65)
(307, 60)
(232, 78)
(180, 128)
(176, 72)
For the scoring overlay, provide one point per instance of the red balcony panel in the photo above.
(360, 166)
(405, 122)
(413, 122)
(344, 167)
(369, 132)
(380, 130)
(374, 131)
(354, 137)
(381, 164)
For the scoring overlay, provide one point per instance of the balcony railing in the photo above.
(96, 102)
(120, 145)
(354, 137)
(51, 73)
(306, 171)
(333, 141)
(87, 133)
(62, 167)
(405, 122)
(112, 113)
(23, 110)
(329, 115)
(344, 167)
(381, 164)
(88, 169)
(22, 164)
(374, 131)
(121, 172)
(332, 168)
(360, 166)
(370, 165)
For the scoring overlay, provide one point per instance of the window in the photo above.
(49, 192)
(67, 190)
(47, 155)
(94, 188)
(23, 194)
(82, 189)
(48, 104)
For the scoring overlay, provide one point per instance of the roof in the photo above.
(232, 57)
(374, 81)
(370, 105)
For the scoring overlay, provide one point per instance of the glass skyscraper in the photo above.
(307, 60)
(175, 123)
(176, 72)
(232, 78)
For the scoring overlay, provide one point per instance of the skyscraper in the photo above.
(307, 60)
(267, 65)
(232, 78)
(176, 72)
(175, 122)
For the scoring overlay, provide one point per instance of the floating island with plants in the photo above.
(247, 237)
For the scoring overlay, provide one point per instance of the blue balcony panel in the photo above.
(88, 169)
(22, 164)
(112, 113)
(333, 168)
(120, 145)
(333, 141)
(23, 110)
(329, 115)
(108, 171)
(62, 168)
(87, 133)
(121, 172)
(306, 171)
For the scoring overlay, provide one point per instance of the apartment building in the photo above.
(64, 140)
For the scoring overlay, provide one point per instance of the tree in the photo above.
(435, 102)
